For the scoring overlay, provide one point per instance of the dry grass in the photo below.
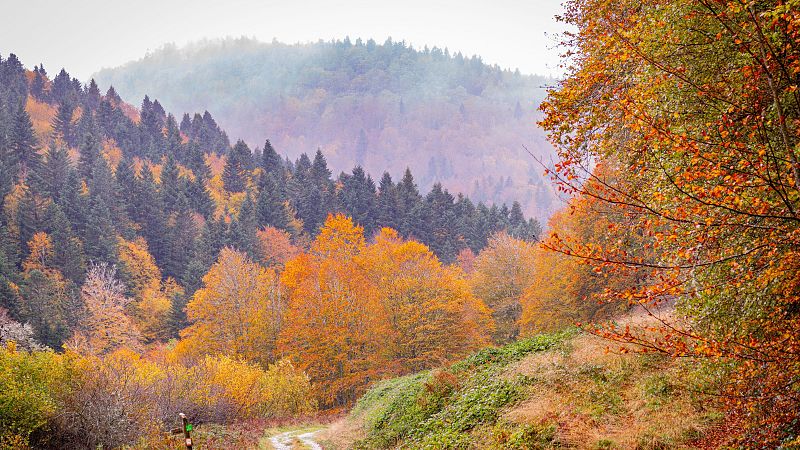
(601, 398)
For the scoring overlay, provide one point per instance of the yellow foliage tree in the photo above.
(501, 272)
(152, 304)
(433, 317)
(238, 311)
(107, 326)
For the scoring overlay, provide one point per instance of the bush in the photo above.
(27, 384)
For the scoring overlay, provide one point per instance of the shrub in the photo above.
(27, 384)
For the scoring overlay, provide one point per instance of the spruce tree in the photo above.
(23, 144)
(359, 198)
(63, 127)
(237, 167)
(270, 207)
(388, 214)
(270, 160)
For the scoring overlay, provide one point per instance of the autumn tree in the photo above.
(238, 311)
(565, 289)
(151, 307)
(500, 273)
(432, 315)
(275, 247)
(697, 101)
(107, 326)
(47, 300)
(335, 324)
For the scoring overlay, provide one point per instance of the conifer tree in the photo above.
(270, 207)
(23, 143)
(63, 127)
(387, 209)
(359, 198)
(237, 167)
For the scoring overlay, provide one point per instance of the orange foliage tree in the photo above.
(275, 246)
(335, 326)
(358, 312)
(698, 103)
(432, 315)
(565, 289)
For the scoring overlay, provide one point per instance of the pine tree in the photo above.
(174, 141)
(359, 198)
(111, 95)
(172, 187)
(270, 161)
(68, 255)
(89, 153)
(408, 202)
(270, 207)
(92, 97)
(54, 173)
(63, 127)
(23, 143)
(388, 207)
(237, 167)
(38, 84)
(180, 239)
(151, 216)
(244, 227)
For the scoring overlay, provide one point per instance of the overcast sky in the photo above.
(86, 35)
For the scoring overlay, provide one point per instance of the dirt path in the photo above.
(285, 441)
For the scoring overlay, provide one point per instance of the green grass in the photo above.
(441, 409)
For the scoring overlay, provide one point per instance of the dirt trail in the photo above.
(285, 440)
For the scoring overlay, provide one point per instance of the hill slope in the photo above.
(449, 118)
(548, 391)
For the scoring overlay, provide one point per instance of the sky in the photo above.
(86, 35)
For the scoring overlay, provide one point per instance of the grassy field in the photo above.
(563, 390)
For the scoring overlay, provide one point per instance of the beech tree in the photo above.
(698, 104)
(238, 311)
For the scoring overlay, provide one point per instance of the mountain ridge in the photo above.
(451, 119)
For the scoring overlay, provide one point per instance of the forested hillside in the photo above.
(451, 118)
(159, 255)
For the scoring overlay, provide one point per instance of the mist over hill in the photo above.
(450, 118)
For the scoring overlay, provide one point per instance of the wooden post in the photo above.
(186, 429)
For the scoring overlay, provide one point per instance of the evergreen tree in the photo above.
(359, 198)
(174, 141)
(180, 239)
(68, 255)
(171, 185)
(53, 176)
(244, 227)
(38, 84)
(272, 164)
(89, 153)
(388, 214)
(23, 144)
(239, 162)
(112, 96)
(151, 216)
(63, 127)
(92, 97)
(408, 204)
(270, 207)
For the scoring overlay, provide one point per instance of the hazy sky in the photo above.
(86, 35)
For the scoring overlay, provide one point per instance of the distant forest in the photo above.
(104, 181)
(451, 118)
